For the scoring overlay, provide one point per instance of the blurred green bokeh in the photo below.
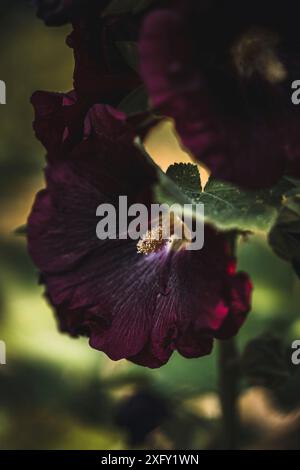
(56, 392)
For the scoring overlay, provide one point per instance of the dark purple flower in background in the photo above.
(223, 70)
(129, 305)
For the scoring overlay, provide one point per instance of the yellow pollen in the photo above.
(152, 242)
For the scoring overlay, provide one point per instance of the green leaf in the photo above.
(136, 102)
(186, 176)
(295, 182)
(120, 7)
(229, 207)
(165, 191)
(21, 231)
(142, 5)
(285, 235)
(129, 51)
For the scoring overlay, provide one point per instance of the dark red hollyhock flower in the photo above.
(101, 73)
(129, 305)
(60, 12)
(58, 121)
(223, 70)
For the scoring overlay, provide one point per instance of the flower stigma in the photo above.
(162, 236)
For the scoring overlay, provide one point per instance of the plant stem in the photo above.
(228, 384)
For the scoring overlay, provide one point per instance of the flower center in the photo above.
(256, 53)
(152, 242)
(161, 236)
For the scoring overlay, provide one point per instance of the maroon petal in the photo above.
(129, 305)
(59, 121)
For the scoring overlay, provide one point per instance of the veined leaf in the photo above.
(186, 176)
(229, 207)
(285, 234)
(165, 190)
